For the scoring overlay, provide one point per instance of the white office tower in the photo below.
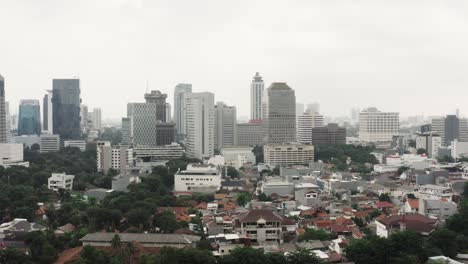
(279, 114)
(256, 94)
(97, 118)
(199, 117)
(48, 113)
(225, 126)
(84, 118)
(144, 122)
(305, 123)
(376, 126)
(168, 113)
(8, 122)
(180, 91)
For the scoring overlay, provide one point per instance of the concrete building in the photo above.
(180, 91)
(79, 144)
(238, 156)
(225, 126)
(288, 154)
(200, 121)
(165, 133)
(168, 112)
(376, 126)
(159, 99)
(3, 121)
(459, 149)
(438, 209)
(11, 154)
(11, 123)
(60, 181)
(29, 120)
(28, 141)
(279, 114)
(434, 192)
(168, 152)
(145, 240)
(144, 122)
(261, 225)
(50, 143)
(204, 178)
(66, 108)
(305, 123)
(450, 128)
(250, 134)
(118, 158)
(430, 142)
(414, 222)
(97, 118)
(47, 113)
(332, 134)
(257, 88)
(84, 114)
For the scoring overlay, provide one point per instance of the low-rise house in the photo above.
(440, 209)
(60, 181)
(261, 225)
(411, 206)
(415, 222)
(434, 192)
(146, 240)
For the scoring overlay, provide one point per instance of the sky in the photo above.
(397, 55)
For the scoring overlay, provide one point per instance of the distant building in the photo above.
(159, 99)
(288, 154)
(225, 126)
(262, 225)
(79, 144)
(50, 143)
(305, 123)
(66, 108)
(256, 94)
(28, 141)
(121, 182)
(414, 222)
(60, 181)
(97, 118)
(332, 134)
(127, 135)
(237, 156)
(199, 116)
(168, 112)
(143, 116)
(84, 114)
(449, 128)
(430, 142)
(3, 121)
(118, 158)
(165, 133)
(180, 91)
(459, 149)
(12, 155)
(198, 178)
(250, 134)
(47, 113)
(155, 153)
(279, 114)
(29, 121)
(376, 126)
(145, 240)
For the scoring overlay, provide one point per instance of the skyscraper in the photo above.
(159, 99)
(168, 112)
(376, 126)
(47, 113)
(66, 108)
(199, 125)
(84, 113)
(143, 121)
(29, 120)
(180, 91)
(10, 123)
(97, 118)
(279, 114)
(305, 124)
(225, 126)
(452, 129)
(3, 122)
(256, 94)
(127, 131)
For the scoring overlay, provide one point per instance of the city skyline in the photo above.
(327, 52)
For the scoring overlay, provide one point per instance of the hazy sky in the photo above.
(400, 55)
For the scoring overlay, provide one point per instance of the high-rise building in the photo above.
(47, 113)
(180, 91)
(225, 126)
(452, 129)
(159, 99)
(66, 108)
(288, 154)
(118, 158)
(449, 128)
(29, 121)
(143, 121)
(97, 118)
(332, 134)
(84, 113)
(168, 112)
(10, 120)
(200, 122)
(127, 135)
(3, 121)
(250, 134)
(279, 114)
(256, 94)
(376, 126)
(165, 133)
(305, 123)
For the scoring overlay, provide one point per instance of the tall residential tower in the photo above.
(180, 91)
(256, 94)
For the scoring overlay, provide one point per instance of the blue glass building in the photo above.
(29, 119)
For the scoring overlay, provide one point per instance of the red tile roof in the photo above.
(414, 203)
(384, 204)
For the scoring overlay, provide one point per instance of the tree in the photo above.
(243, 199)
(303, 256)
(385, 198)
(312, 234)
(264, 198)
(245, 256)
(116, 242)
(421, 151)
(402, 169)
(232, 172)
(446, 241)
(138, 218)
(465, 190)
(166, 222)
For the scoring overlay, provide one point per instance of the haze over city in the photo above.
(400, 56)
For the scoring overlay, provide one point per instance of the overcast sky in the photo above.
(399, 55)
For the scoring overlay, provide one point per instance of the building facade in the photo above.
(47, 113)
(3, 121)
(66, 108)
(168, 152)
(198, 178)
(256, 94)
(144, 122)
(60, 181)
(376, 126)
(288, 154)
(250, 134)
(279, 114)
(97, 118)
(159, 99)
(29, 120)
(225, 126)
(118, 158)
(79, 144)
(165, 133)
(305, 123)
(331, 134)
(127, 134)
(200, 123)
(180, 91)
